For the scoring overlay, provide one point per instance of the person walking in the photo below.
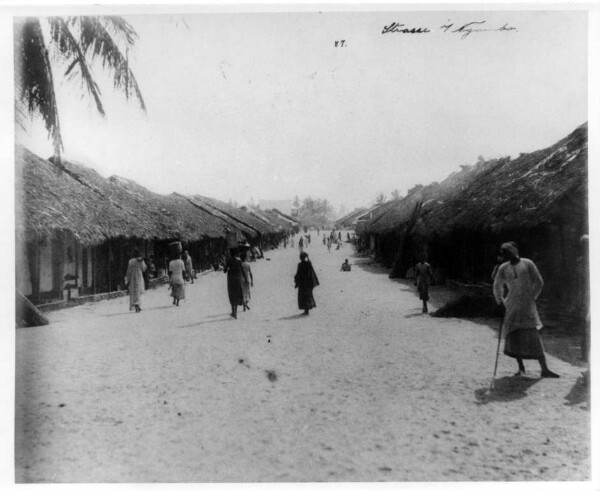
(346, 266)
(134, 279)
(517, 285)
(305, 281)
(176, 270)
(423, 277)
(329, 245)
(189, 269)
(235, 281)
(248, 281)
(301, 245)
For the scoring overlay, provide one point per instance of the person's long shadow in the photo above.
(143, 310)
(201, 323)
(290, 317)
(580, 392)
(505, 389)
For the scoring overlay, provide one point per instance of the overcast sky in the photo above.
(265, 106)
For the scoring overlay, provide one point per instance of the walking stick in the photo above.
(497, 352)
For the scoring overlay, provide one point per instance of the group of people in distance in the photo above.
(517, 284)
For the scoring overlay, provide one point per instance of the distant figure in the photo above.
(176, 270)
(248, 281)
(523, 284)
(136, 267)
(348, 236)
(235, 281)
(301, 245)
(189, 269)
(306, 280)
(339, 235)
(346, 266)
(423, 277)
(324, 239)
(292, 242)
(329, 245)
(308, 238)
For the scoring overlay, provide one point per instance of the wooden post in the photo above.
(94, 263)
(109, 268)
(77, 264)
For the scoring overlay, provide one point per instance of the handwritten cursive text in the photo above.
(401, 28)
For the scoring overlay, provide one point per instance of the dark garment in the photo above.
(235, 281)
(306, 280)
(424, 291)
(524, 343)
(178, 291)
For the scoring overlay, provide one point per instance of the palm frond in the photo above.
(70, 49)
(34, 78)
(97, 41)
(120, 28)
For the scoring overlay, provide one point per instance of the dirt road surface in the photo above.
(365, 388)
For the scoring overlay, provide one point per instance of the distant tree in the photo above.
(395, 194)
(296, 202)
(73, 44)
(380, 198)
(315, 212)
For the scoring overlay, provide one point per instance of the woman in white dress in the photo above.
(176, 269)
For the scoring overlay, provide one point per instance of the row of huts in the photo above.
(539, 200)
(76, 230)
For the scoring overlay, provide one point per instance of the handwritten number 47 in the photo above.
(340, 44)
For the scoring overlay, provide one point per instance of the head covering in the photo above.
(136, 253)
(512, 247)
(303, 256)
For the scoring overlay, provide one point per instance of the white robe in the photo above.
(524, 284)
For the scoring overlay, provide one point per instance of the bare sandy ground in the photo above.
(366, 388)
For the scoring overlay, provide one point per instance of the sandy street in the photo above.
(366, 388)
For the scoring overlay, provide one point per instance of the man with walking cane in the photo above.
(517, 285)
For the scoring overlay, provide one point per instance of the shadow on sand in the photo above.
(201, 323)
(127, 312)
(506, 389)
(290, 317)
(580, 392)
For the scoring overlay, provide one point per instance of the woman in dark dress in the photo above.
(235, 281)
(305, 279)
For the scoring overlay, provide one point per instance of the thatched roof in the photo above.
(70, 196)
(292, 221)
(278, 220)
(350, 218)
(521, 193)
(250, 225)
(48, 200)
(494, 194)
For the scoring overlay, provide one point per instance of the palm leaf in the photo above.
(97, 41)
(33, 76)
(70, 49)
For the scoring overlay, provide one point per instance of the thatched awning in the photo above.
(48, 200)
(521, 193)
(250, 225)
(75, 198)
(494, 195)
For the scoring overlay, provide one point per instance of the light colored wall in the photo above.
(23, 283)
(45, 267)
